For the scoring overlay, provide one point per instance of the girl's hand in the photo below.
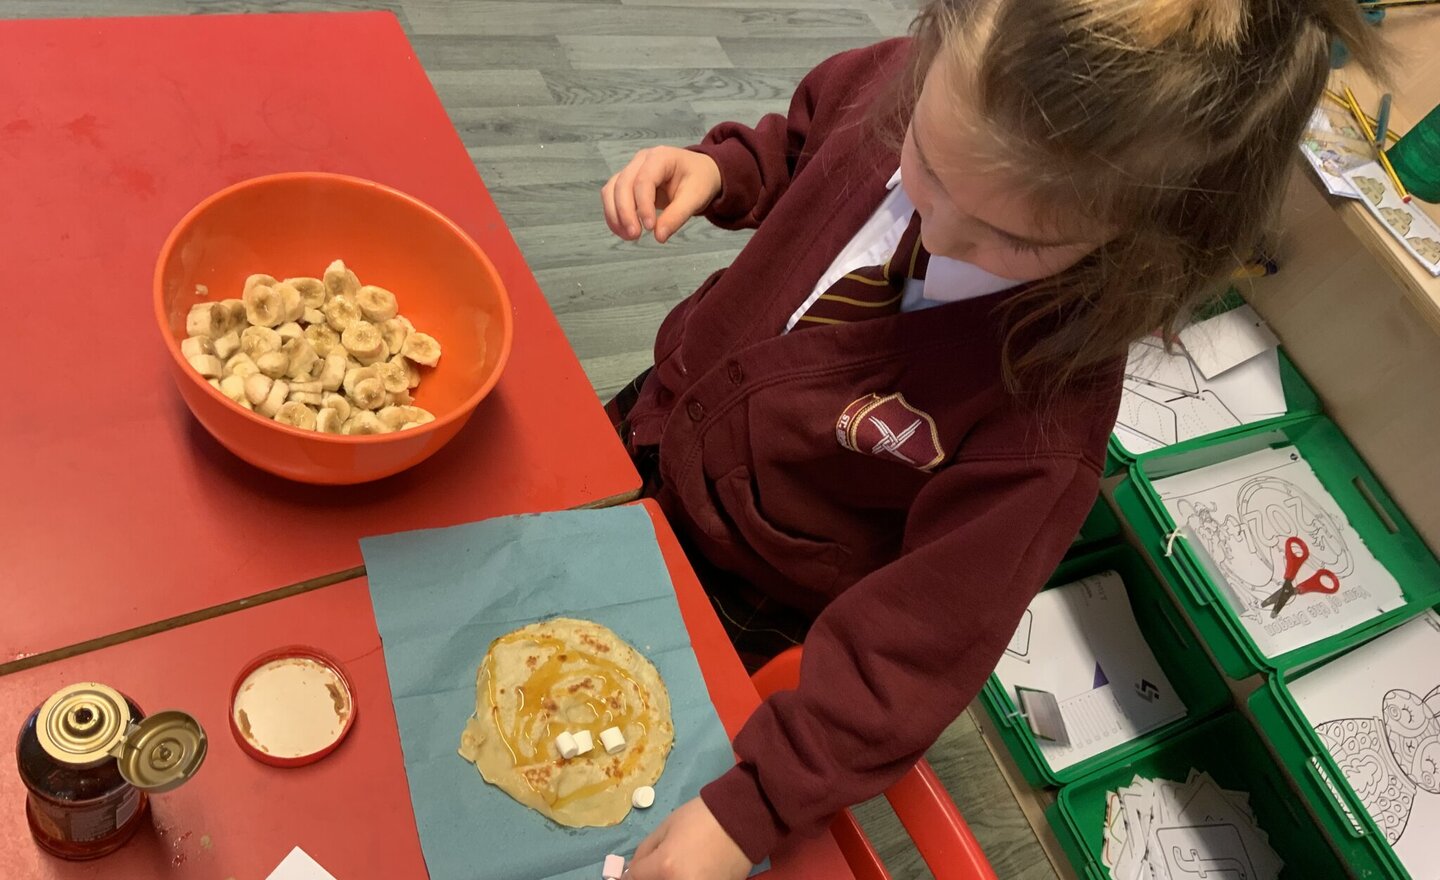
(679, 183)
(689, 845)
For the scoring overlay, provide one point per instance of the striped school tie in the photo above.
(873, 291)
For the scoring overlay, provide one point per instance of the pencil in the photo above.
(1390, 133)
(1390, 4)
(1382, 121)
(1364, 122)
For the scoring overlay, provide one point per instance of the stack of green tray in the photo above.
(1344, 475)
(1197, 684)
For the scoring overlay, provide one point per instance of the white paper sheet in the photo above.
(1410, 226)
(1157, 829)
(1166, 400)
(299, 866)
(1375, 710)
(1227, 340)
(1242, 511)
(1085, 648)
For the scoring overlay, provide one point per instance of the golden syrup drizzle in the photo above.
(537, 691)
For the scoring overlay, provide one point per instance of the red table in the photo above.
(118, 509)
(238, 818)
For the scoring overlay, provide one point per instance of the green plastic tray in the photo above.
(1342, 472)
(1100, 526)
(1228, 749)
(1341, 814)
(1198, 685)
(1300, 398)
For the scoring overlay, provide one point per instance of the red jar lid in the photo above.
(291, 707)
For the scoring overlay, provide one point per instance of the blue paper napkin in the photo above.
(442, 595)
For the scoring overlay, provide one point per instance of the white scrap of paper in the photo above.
(299, 866)
(1227, 340)
(1243, 510)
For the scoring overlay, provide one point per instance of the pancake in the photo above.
(566, 675)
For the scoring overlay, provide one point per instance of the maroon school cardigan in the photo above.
(876, 474)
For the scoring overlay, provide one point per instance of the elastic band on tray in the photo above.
(1170, 542)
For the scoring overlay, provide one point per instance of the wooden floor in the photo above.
(551, 98)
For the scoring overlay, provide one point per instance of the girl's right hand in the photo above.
(676, 183)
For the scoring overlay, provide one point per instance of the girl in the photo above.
(889, 415)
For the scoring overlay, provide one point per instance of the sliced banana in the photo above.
(195, 346)
(264, 306)
(310, 317)
(209, 366)
(234, 314)
(274, 364)
(355, 375)
(241, 364)
(205, 319)
(395, 376)
(279, 392)
(257, 388)
(364, 342)
(368, 393)
(227, 345)
(341, 312)
(295, 413)
(363, 423)
(396, 330)
(420, 415)
(398, 398)
(256, 341)
(422, 349)
(328, 421)
(333, 373)
(290, 330)
(312, 291)
(301, 357)
(322, 337)
(340, 281)
(255, 281)
(412, 372)
(293, 301)
(376, 303)
(393, 417)
(233, 387)
(338, 403)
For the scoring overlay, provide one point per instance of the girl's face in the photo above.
(976, 217)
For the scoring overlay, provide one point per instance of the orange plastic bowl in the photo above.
(289, 225)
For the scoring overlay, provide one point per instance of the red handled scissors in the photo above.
(1322, 581)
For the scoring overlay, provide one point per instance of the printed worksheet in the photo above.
(1239, 513)
(1166, 400)
(1410, 226)
(1333, 144)
(1377, 710)
(1080, 643)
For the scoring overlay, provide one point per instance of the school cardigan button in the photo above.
(696, 411)
(736, 374)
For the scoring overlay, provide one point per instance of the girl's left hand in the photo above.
(689, 845)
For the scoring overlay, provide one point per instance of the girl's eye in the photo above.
(1024, 247)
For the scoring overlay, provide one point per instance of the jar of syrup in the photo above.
(90, 758)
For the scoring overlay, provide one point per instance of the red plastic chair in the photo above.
(919, 799)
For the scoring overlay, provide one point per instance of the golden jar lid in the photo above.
(83, 723)
(162, 751)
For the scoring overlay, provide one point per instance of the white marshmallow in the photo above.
(614, 867)
(613, 740)
(584, 742)
(643, 797)
(567, 745)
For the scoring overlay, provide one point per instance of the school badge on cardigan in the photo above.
(889, 427)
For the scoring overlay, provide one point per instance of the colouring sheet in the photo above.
(1333, 144)
(1238, 515)
(1080, 643)
(1377, 710)
(1415, 231)
(1166, 400)
(1156, 829)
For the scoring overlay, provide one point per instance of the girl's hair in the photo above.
(1174, 121)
